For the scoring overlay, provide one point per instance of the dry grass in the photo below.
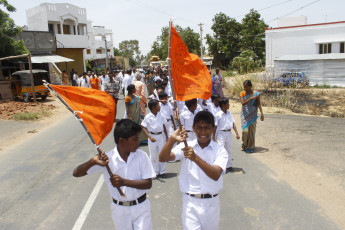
(298, 99)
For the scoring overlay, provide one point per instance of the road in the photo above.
(38, 190)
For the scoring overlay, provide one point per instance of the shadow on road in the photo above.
(235, 170)
(260, 150)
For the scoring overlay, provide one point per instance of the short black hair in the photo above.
(214, 96)
(130, 88)
(125, 128)
(162, 95)
(191, 102)
(129, 71)
(204, 116)
(152, 103)
(248, 83)
(223, 101)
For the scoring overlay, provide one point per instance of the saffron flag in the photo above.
(95, 107)
(191, 78)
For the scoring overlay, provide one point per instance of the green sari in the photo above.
(134, 113)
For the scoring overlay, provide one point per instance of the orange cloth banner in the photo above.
(95, 107)
(191, 78)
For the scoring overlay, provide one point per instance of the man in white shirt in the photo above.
(84, 81)
(132, 172)
(127, 80)
(201, 175)
(225, 123)
(104, 79)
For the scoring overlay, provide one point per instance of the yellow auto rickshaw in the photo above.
(21, 84)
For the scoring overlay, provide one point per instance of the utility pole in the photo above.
(202, 55)
(106, 54)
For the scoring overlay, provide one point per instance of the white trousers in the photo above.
(170, 128)
(201, 214)
(224, 139)
(132, 217)
(155, 148)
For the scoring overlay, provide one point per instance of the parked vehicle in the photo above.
(291, 79)
(21, 84)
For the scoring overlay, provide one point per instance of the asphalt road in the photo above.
(38, 190)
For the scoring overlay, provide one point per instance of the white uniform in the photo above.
(84, 82)
(200, 213)
(214, 109)
(103, 81)
(225, 123)
(187, 118)
(167, 112)
(154, 125)
(127, 80)
(137, 167)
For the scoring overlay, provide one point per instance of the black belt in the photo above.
(156, 133)
(202, 196)
(189, 131)
(131, 203)
(226, 130)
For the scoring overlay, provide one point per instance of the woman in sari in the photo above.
(250, 101)
(133, 110)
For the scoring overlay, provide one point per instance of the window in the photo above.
(325, 48)
(108, 50)
(342, 48)
(59, 29)
(66, 29)
(98, 51)
(51, 27)
(88, 51)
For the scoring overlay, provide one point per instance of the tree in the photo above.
(117, 52)
(8, 30)
(253, 32)
(130, 49)
(245, 62)
(224, 45)
(190, 38)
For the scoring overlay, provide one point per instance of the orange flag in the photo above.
(95, 107)
(191, 78)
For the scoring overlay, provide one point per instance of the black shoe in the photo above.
(230, 169)
(164, 175)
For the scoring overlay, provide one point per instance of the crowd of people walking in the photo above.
(203, 143)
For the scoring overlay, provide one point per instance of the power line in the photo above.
(294, 11)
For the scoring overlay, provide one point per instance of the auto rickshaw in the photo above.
(21, 84)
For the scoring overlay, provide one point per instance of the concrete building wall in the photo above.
(303, 40)
(76, 55)
(37, 19)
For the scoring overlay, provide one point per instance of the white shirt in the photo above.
(224, 121)
(127, 80)
(75, 77)
(193, 179)
(214, 109)
(84, 82)
(166, 110)
(187, 118)
(104, 80)
(138, 167)
(154, 123)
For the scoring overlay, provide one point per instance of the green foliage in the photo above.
(117, 52)
(230, 38)
(190, 38)
(8, 30)
(245, 63)
(31, 116)
(130, 49)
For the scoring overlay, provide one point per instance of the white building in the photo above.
(315, 49)
(100, 43)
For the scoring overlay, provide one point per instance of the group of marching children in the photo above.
(206, 129)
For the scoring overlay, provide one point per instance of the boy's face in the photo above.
(132, 143)
(226, 106)
(193, 107)
(203, 132)
(164, 100)
(156, 109)
(216, 102)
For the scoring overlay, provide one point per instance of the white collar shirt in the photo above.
(214, 109)
(187, 118)
(137, 167)
(126, 81)
(104, 79)
(224, 121)
(84, 82)
(166, 110)
(154, 123)
(193, 179)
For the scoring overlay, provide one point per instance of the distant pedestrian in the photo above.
(250, 101)
(218, 80)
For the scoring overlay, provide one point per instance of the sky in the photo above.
(143, 19)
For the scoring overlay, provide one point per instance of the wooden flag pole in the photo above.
(46, 84)
(172, 86)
